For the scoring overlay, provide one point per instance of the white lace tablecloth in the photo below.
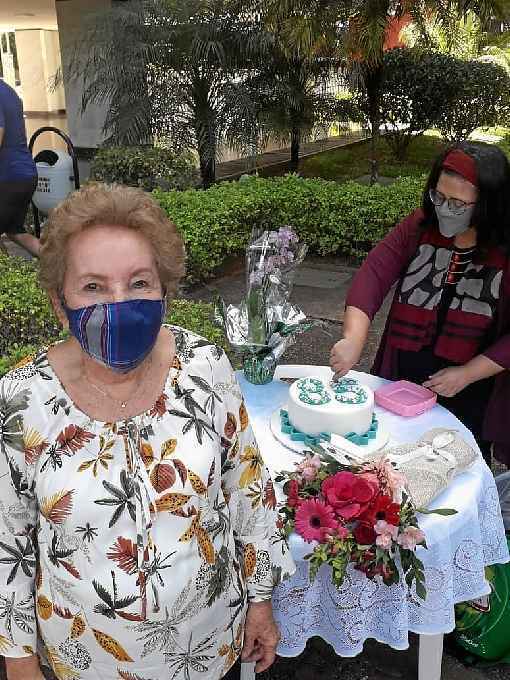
(460, 546)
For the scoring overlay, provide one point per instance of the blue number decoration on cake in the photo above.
(312, 392)
(349, 391)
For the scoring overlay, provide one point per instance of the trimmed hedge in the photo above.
(27, 321)
(26, 316)
(331, 218)
(146, 167)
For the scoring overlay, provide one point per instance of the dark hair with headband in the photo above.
(491, 217)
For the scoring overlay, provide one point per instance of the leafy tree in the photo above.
(291, 101)
(170, 70)
(460, 38)
(416, 88)
(480, 97)
(422, 89)
(369, 21)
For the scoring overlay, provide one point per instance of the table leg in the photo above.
(247, 671)
(430, 657)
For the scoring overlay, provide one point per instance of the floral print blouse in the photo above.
(130, 550)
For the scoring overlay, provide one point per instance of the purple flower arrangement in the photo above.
(263, 325)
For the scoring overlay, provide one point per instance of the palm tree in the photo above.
(298, 60)
(290, 99)
(170, 71)
(466, 38)
(463, 41)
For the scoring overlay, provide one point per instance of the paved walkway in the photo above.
(279, 159)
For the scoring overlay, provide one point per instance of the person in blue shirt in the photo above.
(18, 173)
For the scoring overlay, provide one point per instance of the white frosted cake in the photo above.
(316, 406)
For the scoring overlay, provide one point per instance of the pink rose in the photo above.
(384, 541)
(309, 473)
(308, 468)
(384, 528)
(348, 494)
(316, 462)
(391, 482)
(395, 481)
(372, 479)
(410, 538)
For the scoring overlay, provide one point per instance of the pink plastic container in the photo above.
(405, 398)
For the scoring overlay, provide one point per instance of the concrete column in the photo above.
(39, 61)
(50, 44)
(85, 129)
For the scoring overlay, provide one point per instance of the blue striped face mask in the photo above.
(120, 335)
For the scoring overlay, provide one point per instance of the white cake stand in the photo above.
(339, 447)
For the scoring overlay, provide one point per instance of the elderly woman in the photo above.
(138, 535)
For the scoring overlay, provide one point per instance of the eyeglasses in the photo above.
(455, 205)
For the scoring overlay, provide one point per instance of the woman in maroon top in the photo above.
(449, 323)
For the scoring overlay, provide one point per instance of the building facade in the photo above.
(36, 36)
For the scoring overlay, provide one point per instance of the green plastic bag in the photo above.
(483, 625)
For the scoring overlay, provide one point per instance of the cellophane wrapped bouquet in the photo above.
(355, 514)
(263, 325)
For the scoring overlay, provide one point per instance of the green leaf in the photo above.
(445, 512)
(421, 591)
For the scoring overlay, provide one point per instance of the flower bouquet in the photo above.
(263, 325)
(355, 514)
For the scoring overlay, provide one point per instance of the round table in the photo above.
(459, 547)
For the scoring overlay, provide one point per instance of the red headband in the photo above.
(462, 164)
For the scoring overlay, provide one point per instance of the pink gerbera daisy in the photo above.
(313, 517)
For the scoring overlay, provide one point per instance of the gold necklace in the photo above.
(122, 403)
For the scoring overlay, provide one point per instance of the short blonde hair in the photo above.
(114, 205)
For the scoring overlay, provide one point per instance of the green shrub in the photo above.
(196, 317)
(26, 316)
(504, 144)
(416, 87)
(146, 167)
(347, 218)
(480, 97)
(27, 322)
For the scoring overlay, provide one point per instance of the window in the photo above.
(14, 52)
(8, 51)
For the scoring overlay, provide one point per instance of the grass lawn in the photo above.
(351, 162)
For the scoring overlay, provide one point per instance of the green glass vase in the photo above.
(259, 370)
